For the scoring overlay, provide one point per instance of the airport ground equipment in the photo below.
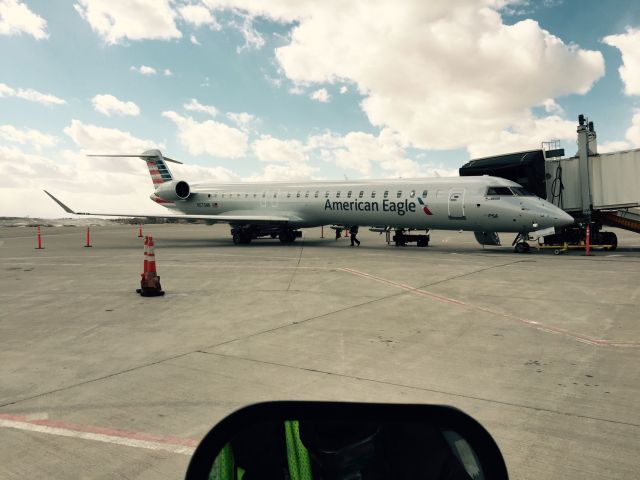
(598, 190)
(402, 237)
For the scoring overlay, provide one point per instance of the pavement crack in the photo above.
(97, 379)
(432, 390)
(293, 274)
(455, 277)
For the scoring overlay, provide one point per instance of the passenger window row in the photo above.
(337, 193)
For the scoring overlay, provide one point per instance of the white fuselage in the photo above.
(456, 203)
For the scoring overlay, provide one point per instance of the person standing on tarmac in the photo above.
(353, 233)
(338, 233)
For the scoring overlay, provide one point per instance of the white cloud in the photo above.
(633, 132)
(30, 95)
(144, 70)
(241, 119)
(17, 18)
(632, 136)
(194, 40)
(296, 89)
(463, 74)
(526, 134)
(270, 149)
(195, 106)
(209, 137)
(363, 152)
(27, 136)
(550, 106)
(252, 38)
(613, 146)
(198, 173)
(280, 173)
(106, 140)
(343, 89)
(167, 72)
(629, 45)
(86, 184)
(118, 20)
(108, 104)
(321, 95)
(198, 15)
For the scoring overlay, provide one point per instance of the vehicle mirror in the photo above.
(335, 440)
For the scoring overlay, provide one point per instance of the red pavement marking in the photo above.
(530, 323)
(112, 432)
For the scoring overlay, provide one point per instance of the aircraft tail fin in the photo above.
(156, 163)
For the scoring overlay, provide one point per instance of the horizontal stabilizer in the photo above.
(140, 155)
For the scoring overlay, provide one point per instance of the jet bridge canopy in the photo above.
(525, 168)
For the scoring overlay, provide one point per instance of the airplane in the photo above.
(484, 205)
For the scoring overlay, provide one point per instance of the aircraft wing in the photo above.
(233, 218)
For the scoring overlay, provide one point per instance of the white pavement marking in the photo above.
(120, 439)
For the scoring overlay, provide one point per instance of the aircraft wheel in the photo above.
(522, 247)
(237, 240)
(287, 236)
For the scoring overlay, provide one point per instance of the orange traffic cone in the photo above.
(150, 284)
(88, 242)
(39, 247)
(140, 231)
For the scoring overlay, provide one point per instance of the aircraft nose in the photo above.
(561, 218)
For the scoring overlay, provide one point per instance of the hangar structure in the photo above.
(598, 190)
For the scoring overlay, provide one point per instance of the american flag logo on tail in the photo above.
(158, 170)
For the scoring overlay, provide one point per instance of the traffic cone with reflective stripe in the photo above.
(88, 242)
(140, 231)
(39, 247)
(150, 285)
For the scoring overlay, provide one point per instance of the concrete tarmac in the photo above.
(98, 382)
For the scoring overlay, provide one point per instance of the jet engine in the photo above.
(174, 190)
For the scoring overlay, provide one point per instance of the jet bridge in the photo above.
(596, 189)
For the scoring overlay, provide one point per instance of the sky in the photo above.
(248, 90)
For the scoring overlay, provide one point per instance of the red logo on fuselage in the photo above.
(425, 209)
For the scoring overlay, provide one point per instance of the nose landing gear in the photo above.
(520, 243)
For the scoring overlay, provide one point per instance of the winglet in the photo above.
(64, 207)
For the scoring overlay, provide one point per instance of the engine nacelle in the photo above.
(174, 190)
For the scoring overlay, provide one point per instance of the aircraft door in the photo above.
(456, 203)
(265, 199)
(274, 198)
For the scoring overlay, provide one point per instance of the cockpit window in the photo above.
(521, 192)
(499, 191)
